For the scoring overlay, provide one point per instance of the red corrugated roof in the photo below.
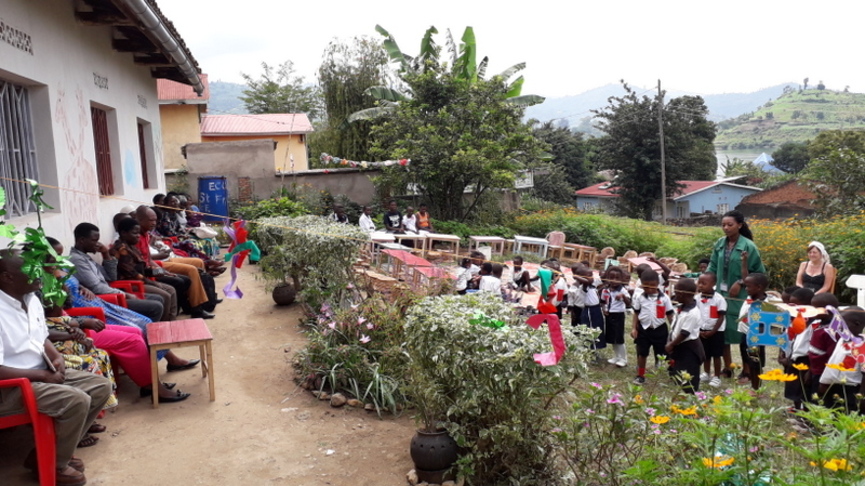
(690, 187)
(270, 124)
(169, 90)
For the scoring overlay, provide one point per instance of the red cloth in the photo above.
(144, 247)
(823, 341)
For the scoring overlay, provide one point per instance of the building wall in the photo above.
(592, 202)
(710, 199)
(69, 67)
(286, 146)
(180, 125)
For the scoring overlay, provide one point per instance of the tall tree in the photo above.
(280, 90)
(791, 157)
(836, 172)
(631, 147)
(570, 152)
(347, 70)
(464, 140)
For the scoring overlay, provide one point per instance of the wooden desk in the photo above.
(581, 252)
(453, 240)
(413, 237)
(542, 244)
(181, 334)
(493, 241)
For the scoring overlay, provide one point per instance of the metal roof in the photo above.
(172, 92)
(268, 124)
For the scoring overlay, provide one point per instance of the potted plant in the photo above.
(432, 449)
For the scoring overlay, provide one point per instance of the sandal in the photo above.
(88, 441)
(96, 428)
(743, 379)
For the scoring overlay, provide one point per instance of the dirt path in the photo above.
(261, 429)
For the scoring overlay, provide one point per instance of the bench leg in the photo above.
(154, 377)
(205, 364)
(211, 383)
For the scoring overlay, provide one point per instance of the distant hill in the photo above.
(796, 116)
(576, 109)
(225, 98)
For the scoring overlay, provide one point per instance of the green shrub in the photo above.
(484, 385)
(267, 208)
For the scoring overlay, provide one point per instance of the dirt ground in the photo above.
(262, 428)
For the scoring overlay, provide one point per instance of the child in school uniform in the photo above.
(489, 282)
(575, 296)
(684, 348)
(652, 308)
(756, 285)
(822, 342)
(616, 301)
(839, 387)
(463, 275)
(713, 311)
(520, 279)
(477, 259)
(592, 315)
(796, 352)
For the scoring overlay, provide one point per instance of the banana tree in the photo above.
(464, 67)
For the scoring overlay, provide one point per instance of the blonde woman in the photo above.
(817, 273)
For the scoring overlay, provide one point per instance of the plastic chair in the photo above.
(43, 430)
(130, 286)
(116, 299)
(94, 312)
(556, 239)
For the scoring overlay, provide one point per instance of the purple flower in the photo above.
(753, 449)
(728, 391)
(595, 385)
(615, 399)
(650, 411)
(700, 395)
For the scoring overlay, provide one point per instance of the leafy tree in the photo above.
(791, 157)
(837, 178)
(632, 149)
(821, 86)
(827, 142)
(570, 152)
(279, 90)
(464, 140)
(346, 72)
(553, 186)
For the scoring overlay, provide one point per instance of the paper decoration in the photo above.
(767, 325)
(556, 338)
(481, 319)
(237, 252)
(329, 159)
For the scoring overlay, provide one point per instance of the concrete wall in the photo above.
(710, 199)
(69, 67)
(248, 159)
(181, 125)
(286, 146)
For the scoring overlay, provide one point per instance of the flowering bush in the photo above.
(315, 252)
(632, 435)
(482, 383)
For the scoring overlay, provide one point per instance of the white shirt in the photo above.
(575, 297)
(517, 275)
(366, 224)
(590, 292)
(614, 305)
(560, 287)
(645, 306)
(490, 284)
(744, 325)
(834, 377)
(720, 304)
(474, 270)
(22, 334)
(463, 275)
(410, 223)
(687, 321)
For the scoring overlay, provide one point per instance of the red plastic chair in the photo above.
(116, 299)
(94, 312)
(43, 429)
(130, 286)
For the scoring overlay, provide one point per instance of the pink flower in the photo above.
(331, 325)
(370, 325)
(595, 385)
(615, 399)
(364, 338)
(361, 320)
(350, 286)
(650, 411)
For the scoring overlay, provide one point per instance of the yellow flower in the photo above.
(835, 465)
(721, 461)
(839, 367)
(638, 400)
(659, 419)
(718, 399)
(777, 375)
(800, 366)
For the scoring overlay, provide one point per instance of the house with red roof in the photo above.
(287, 130)
(696, 197)
(180, 109)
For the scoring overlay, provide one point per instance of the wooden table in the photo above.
(376, 239)
(181, 334)
(413, 237)
(493, 241)
(581, 252)
(542, 244)
(453, 240)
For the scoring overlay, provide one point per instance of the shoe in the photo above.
(170, 386)
(32, 463)
(76, 464)
(612, 361)
(191, 364)
(621, 363)
(181, 396)
(201, 314)
(77, 479)
(639, 380)
(218, 301)
(704, 377)
(715, 381)
(148, 391)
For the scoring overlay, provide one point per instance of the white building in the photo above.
(79, 108)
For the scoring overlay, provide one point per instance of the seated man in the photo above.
(95, 278)
(73, 398)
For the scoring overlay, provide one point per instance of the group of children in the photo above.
(691, 336)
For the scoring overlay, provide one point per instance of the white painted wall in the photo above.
(61, 74)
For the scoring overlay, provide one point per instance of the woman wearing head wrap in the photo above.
(817, 273)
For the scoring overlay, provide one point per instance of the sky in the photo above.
(570, 47)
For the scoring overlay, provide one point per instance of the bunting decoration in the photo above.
(329, 159)
(556, 338)
(481, 319)
(240, 248)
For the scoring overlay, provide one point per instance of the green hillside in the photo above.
(796, 116)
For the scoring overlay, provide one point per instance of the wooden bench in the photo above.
(181, 334)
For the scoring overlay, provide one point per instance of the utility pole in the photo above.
(663, 162)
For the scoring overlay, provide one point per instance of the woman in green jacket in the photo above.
(728, 255)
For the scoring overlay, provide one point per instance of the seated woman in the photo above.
(817, 273)
(172, 225)
(119, 317)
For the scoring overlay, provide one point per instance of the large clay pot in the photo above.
(284, 294)
(433, 454)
